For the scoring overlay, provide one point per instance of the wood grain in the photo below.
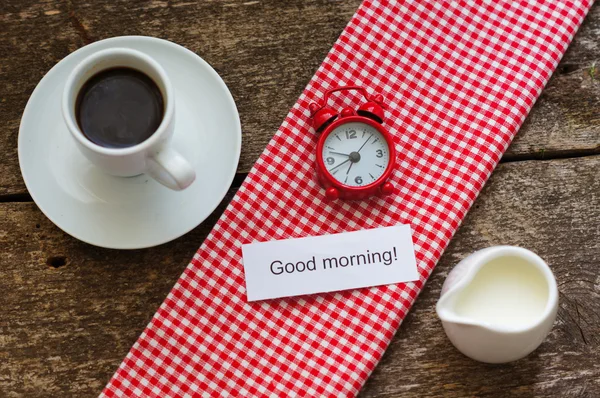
(63, 331)
(565, 120)
(552, 208)
(266, 52)
(71, 311)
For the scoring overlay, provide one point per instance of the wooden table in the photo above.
(70, 312)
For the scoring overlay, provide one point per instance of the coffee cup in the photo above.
(119, 107)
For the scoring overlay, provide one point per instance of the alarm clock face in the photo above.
(356, 154)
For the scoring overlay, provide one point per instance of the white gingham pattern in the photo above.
(458, 80)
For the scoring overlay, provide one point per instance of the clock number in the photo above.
(330, 161)
(350, 134)
(379, 153)
(358, 180)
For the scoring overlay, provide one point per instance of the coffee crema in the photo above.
(119, 108)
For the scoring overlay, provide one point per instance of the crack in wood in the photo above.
(578, 323)
(575, 321)
(550, 155)
(241, 176)
(568, 68)
(78, 25)
(16, 197)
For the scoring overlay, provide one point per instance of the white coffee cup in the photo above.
(154, 156)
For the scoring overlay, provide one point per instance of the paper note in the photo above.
(328, 263)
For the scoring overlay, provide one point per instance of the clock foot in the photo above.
(387, 188)
(332, 194)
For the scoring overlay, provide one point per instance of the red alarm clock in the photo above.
(355, 152)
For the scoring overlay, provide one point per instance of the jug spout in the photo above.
(471, 336)
(447, 311)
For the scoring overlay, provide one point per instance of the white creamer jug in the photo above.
(498, 304)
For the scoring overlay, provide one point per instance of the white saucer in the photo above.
(137, 212)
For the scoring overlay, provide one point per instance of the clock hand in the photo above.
(339, 153)
(365, 142)
(349, 168)
(345, 161)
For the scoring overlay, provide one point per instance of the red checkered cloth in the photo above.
(459, 79)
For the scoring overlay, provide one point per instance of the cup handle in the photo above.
(170, 169)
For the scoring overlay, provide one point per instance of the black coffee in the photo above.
(119, 108)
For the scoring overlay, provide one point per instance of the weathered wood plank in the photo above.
(33, 38)
(566, 118)
(552, 208)
(63, 331)
(71, 311)
(266, 52)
